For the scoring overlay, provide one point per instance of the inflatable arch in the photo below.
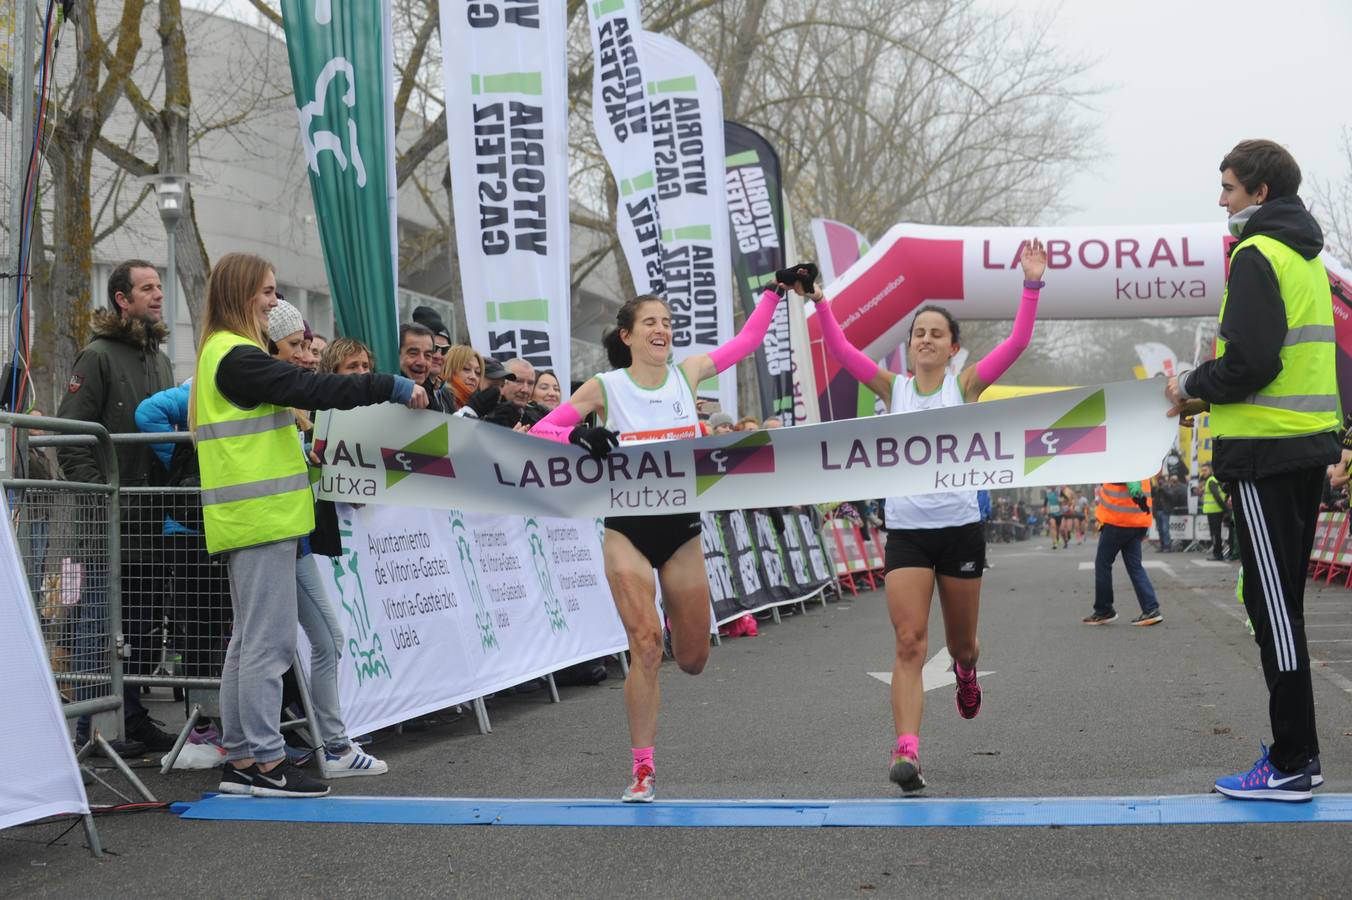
(1092, 273)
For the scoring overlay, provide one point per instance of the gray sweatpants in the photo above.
(262, 648)
(320, 621)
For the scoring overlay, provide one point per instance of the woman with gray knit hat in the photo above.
(340, 757)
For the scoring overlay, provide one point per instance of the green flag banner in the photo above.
(342, 73)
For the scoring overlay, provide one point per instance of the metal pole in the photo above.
(92, 836)
(21, 144)
(171, 295)
(481, 713)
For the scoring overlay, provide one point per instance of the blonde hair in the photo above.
(455, 360)
(234, 282)
(340, 349)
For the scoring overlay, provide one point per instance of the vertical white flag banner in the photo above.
(36, 742)
(838, 247)
(620, 116)
(805, 407)
(507, 121)
(1157, 359)
(685, 106)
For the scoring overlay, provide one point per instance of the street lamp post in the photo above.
(169, 198)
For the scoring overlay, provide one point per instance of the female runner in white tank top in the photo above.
(645, 398)
(934, 537)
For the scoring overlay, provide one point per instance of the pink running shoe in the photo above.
(968, 694)
(643, 789)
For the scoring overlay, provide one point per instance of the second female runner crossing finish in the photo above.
(934, 537)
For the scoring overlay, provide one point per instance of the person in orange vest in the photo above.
(1123, 513)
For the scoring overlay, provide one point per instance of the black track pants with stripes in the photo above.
(1276, 518)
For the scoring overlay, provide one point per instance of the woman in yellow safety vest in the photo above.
(257, 504)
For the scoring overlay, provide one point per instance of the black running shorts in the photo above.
(657, 537)
(959, 550)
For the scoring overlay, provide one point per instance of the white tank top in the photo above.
(929, 510)
(649, 414)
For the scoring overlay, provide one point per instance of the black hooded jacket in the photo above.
(1254, 327)
(118, 369)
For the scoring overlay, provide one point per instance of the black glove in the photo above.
(803, 274)
(505, 413)
(596, 440)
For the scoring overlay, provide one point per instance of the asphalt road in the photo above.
(1069, 711)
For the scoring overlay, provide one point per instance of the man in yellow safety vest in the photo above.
(1273, 395)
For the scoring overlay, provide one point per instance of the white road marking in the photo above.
(1147, 564)
(937, 672)
(1235, 611)
(1211, 563)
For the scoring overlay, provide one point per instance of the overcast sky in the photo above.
(1182, 82)
(1185, 80)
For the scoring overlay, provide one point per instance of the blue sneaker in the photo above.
(1265, 782)
(1315, 773)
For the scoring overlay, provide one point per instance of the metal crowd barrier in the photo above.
(67, 534)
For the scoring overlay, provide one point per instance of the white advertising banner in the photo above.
(36, 741)
(685, 106)
(438, 607)
(620, 116)
(392, 455)
(507, 120)
(1183, 527)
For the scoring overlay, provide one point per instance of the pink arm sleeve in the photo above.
(745, 342)
(558, 425)
(998, 361)
(849, 356)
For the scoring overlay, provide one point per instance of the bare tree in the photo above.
(62, 298)
(1333, 206)
(170, 124)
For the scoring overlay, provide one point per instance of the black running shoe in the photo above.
(1154, 617)
(285, 780)
(237, 781)
(1100, 618)
(905, 772)
(143, 728)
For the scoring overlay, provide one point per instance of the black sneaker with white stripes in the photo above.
(237, 781)
(285, 780)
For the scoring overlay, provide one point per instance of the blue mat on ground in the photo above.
(1188, 809)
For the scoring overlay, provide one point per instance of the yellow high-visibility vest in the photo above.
(255, 484)
(1303, 398)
